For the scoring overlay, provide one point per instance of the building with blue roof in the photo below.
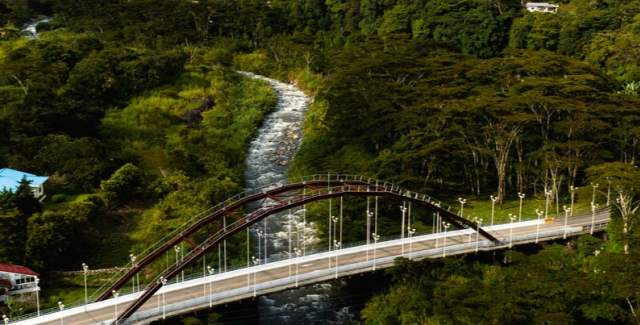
(10, 181)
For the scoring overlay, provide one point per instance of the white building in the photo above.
(10, 181)
(541, 7)
(16, 280)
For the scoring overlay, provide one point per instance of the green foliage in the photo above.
(125, 184)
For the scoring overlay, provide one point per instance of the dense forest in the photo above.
(134, 110)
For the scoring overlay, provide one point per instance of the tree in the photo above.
(24, 200)
(123, 185)
(625, 182)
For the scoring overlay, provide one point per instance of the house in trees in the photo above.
(17, 281)
(10, 181)
(541, 7)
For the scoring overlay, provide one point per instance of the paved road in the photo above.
(239, 284)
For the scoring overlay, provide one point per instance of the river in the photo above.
(30, 31)
(276, 144)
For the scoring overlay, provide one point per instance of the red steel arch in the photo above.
(326, 191)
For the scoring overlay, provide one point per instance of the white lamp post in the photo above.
(572, 189)
(337, 245)
(298, 254)
(38, 297)
(255, 262)
(567, 210)
(593, 195)
(115, 312)
(163, 281)
(5, 319)
(445, 225)
(547, 194)
(133, 259)
(512, 218)
(478, 223)
(260, 235)
(539, 213)
(608, 190)
(411, 232)
(403, 209)
(177, 250)
(462, 202)
(369, 216)
(594, 206)
(211, 271)
(521, 196)
(376, 237)
(493, 206)
(61, 307)
(85, 270)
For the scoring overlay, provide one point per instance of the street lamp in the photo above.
(337, 245)
(255, 262)
(163, 281)
(594, 206)
(608, 190)
(521, 197)
(298, 254)
(512, 218)
(61, 307)
(572, 189)
(334, 220)
(445, 225)
(493, 206)
(369, 215)
(593, 195)
(5, 319)
(177, 249)
(411, 232)
(85, 271)
(403, 209)
(566, 215)
(260, 235)
(38, 296)
(462, 202)
(376, 237)
(115, 312)
(211, 271)
(547, 194)
(137, 278)
(539, 214)
(478, 223)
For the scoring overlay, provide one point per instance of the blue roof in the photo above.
(10, 179)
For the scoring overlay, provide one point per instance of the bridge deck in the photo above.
(275, 276)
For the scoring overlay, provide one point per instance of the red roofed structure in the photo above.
(17, 269)
(17, 280)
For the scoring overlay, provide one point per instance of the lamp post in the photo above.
(403, 209)
(445, 225)
(115, 311)
(369, 215)
(337, 245)
(539, 214)
(521, 196)
(478, 223)
(567, 210)
(593, 195)
(572, 189)
(177, 250)
(594, 206)
(298, 254)
(411, 232)
(85, 270)
(547, 194)
(512, 218)
(5, 319)
(163, 281)
(255, 262)
(334, 221)
(376, 237)
(462, 202)
(38, 297)
(137, 278)
(493, 206)
(608, 190)
(211, 271)
(61, 307)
